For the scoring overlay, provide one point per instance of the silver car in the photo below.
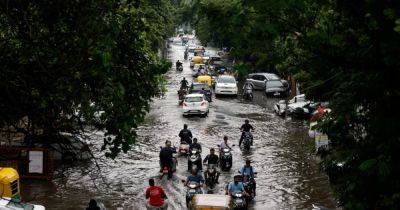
(259, 80)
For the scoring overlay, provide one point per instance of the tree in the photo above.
(70, 65)
(344, 52)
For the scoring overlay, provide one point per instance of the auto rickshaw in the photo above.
(197, 60)
(210, 202)
(205, 79)
(9, 183)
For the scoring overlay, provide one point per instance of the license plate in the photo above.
(276, 94)
(239, 201)
(192, 191)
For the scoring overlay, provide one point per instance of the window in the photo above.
(274, 83)
(259, 77)
(226, 80)
(194, 99)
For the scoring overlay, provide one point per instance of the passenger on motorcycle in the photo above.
(247, 171)
(166, 157)
(195, 177)
(197, 146)
(156, 196)
(186, 135)
(212, 158)
(246, 127)
(184, 84)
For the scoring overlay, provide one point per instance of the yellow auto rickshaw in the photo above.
(204, 79)
(211, 202)
(197, 60)
(9, 183)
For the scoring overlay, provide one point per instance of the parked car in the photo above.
(197, 87)
(276, 88)
(226, 85)
(195, 104)
(258, 80)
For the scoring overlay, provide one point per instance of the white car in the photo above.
(226, 85)
(7, 204)
(195, 104)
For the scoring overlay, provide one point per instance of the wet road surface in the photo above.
(288, 173)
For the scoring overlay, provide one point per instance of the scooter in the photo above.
(183, 148)
(247, 138)
(181, 95)
(250, 187)
(239, 200)
(248, 94)
(193, 188)
(179, 68)
(225, 159)
(194, 159)
(165, 170)
(211, 176)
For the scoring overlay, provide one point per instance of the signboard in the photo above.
(321, 141)
(36, 162)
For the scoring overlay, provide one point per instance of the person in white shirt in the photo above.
(224, 144)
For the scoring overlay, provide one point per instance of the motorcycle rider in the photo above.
(178, 63)
(156, 196)
(246, 127)
(236, 186)
(195, 177)
(196, 145)
(212, 158)
(247, 86)
(224, 144)
(184, 84)
(166, 157)
(248, 171)
(186, 135)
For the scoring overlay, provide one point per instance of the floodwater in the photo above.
(283, 155)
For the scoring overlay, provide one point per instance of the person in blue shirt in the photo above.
(248, 170)
(194, 177)
(236, 186)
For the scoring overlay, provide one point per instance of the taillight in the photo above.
(184, 104)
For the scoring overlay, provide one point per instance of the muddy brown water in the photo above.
(288, 172)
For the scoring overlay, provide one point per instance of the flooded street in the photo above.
(288, 174)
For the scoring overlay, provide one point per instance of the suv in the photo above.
(259, 80)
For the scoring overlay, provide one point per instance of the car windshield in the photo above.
(274, 83)
(20, 206)
(226, 80)
(194, 99)
(272, 77)
(199, 87)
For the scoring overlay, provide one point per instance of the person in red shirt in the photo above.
(156, 196)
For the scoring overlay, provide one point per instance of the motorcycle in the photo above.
(165, 170)
(211, 176)
(239, 200)
(179, 68)
(181, 95)
(193, 188)
(250, 187)
(225, 159)
(247, 138)
(183, 148)
(194, 159)
(248, 94)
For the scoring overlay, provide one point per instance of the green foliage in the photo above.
(67, 65)
(344, 52)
